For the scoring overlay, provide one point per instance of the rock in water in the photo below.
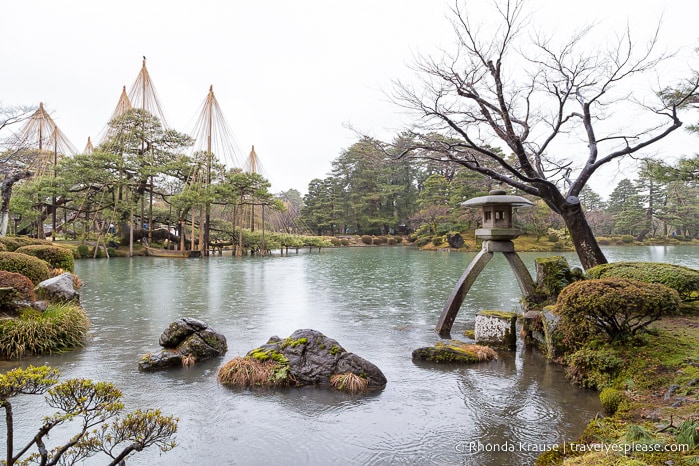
(185, 342)
(308, 357)
(455, 351)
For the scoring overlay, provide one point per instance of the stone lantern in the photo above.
(497, 231)
(496, 209)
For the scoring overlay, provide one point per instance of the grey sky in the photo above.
(290, 76)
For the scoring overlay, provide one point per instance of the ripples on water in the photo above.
(380, 303)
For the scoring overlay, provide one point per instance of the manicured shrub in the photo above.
(627, 239)
(552, 238)
(3, 247)
(398, 239)
(22, 289)
(391, 241)
(619, 307)
(682, 279)
(367, 239)
(344, 242)
(379, 240)
(422, 241)
(593, 368)
(56, 256)
(333, 240)
(61, 327)
(611, 399)
(31, 267)
(14, 242)
(437, 240)
(83, 251)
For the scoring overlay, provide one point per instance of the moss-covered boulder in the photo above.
(553, 274)
(56, 256)
(455, 351)
(31, 267)
(307, 357)
(682, 279)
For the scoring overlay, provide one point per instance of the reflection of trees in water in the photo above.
(520, 398)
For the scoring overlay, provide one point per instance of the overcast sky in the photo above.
(290, 76)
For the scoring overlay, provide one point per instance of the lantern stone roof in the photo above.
(498, 196)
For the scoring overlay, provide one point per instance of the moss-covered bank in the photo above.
(650, 392)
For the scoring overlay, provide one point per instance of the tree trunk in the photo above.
(6, 194)
(584, 240)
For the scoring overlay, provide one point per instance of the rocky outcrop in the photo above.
(59, 288)
(307, 357)
(185, 342)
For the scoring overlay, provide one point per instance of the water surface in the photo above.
(379, 302)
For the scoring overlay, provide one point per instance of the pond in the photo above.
(378, 302)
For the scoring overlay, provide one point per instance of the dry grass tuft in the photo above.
(484, 353)
(349, 382)
(188, 360)
(248, 372)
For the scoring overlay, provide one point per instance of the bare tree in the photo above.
(541, 101)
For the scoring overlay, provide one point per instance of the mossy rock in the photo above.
(56, 256)
(682, 279)
(553, 274)
(455, 352)
(31, 267)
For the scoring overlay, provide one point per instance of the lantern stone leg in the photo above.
(524, 279)
(453, 304)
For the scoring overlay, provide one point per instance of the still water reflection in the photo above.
(380, 303)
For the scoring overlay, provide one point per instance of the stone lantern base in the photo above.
(496, 328)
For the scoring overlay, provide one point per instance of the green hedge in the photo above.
(56, 256)
(31, 267)
(682, 279)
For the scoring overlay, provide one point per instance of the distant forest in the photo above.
(372, 191)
